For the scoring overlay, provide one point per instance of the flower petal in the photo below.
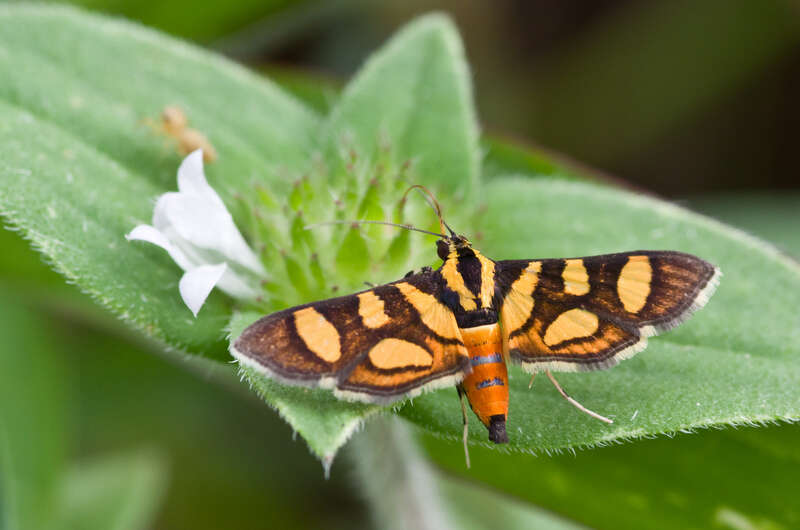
(239, 285)
(196, 284)
(154, 236)
(197, 218)
(197, 230)
(197, 215)
(191, 178)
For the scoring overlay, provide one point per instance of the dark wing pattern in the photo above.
(590, 313)
(377, 346)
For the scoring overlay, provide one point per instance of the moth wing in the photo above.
(590, 313)
(377, 346)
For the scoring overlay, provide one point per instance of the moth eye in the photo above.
(443, 249)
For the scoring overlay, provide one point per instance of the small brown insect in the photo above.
(174, 123)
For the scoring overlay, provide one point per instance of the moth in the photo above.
(460, 324)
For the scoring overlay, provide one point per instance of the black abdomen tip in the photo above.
(497, 429)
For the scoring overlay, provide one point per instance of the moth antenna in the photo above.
(434, 204)
(575, 403)
(387, 223)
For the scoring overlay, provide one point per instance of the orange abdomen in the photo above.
(487, 386)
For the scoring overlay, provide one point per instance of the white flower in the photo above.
(198, 232)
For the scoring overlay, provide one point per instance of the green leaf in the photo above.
(416, 93)
(504, 157)
(769, 215)
(22, 266)
(743, 478)
(182, 18)
(318, 92)
(119, 492)
(324, 422)
(732, 363)
(78, 169)
(33, 440)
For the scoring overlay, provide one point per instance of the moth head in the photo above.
(446, 245)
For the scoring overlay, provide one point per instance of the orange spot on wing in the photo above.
(456, 282)
(487, 279)
(633, 285)
(318, 334)
(371, 310)
(397, 353)
(572, 324)
(518, 303)
(437, 317)
(576, 279)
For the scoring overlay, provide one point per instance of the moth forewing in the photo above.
(592, 312)
(376, 346)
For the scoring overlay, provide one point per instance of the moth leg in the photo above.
(370, 285)
(423, 270)
(530, 384)
(575, 403)
(460, 391)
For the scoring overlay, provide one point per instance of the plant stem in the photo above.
(395, 478)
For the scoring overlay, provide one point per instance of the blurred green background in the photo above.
(692, 100)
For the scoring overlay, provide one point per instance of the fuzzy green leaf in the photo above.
(323, 421)
(734, 478)
(732, 363)
(415, 93)
(769, 215)
(502, 156)
(212, 24)
(78, 168)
